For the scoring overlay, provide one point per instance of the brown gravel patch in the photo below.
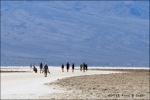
(131, 85)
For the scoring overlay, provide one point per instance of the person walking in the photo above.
(67, 65)
(81, 67)
(62, 67)
(73, 67)
(41, 67)
(86, 67)
(45, 70)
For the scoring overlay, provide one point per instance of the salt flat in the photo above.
(30, 85)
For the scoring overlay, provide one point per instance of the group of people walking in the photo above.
(67, 67)
(83, 67)
(44, 69)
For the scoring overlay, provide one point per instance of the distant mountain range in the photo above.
(99, 33)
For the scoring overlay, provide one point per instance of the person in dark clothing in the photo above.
(62, 67)
(67, 65)
(73, 67)
(35, 69)
(41, 67)
(81, 67)
(45, 70)
(86, 67)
